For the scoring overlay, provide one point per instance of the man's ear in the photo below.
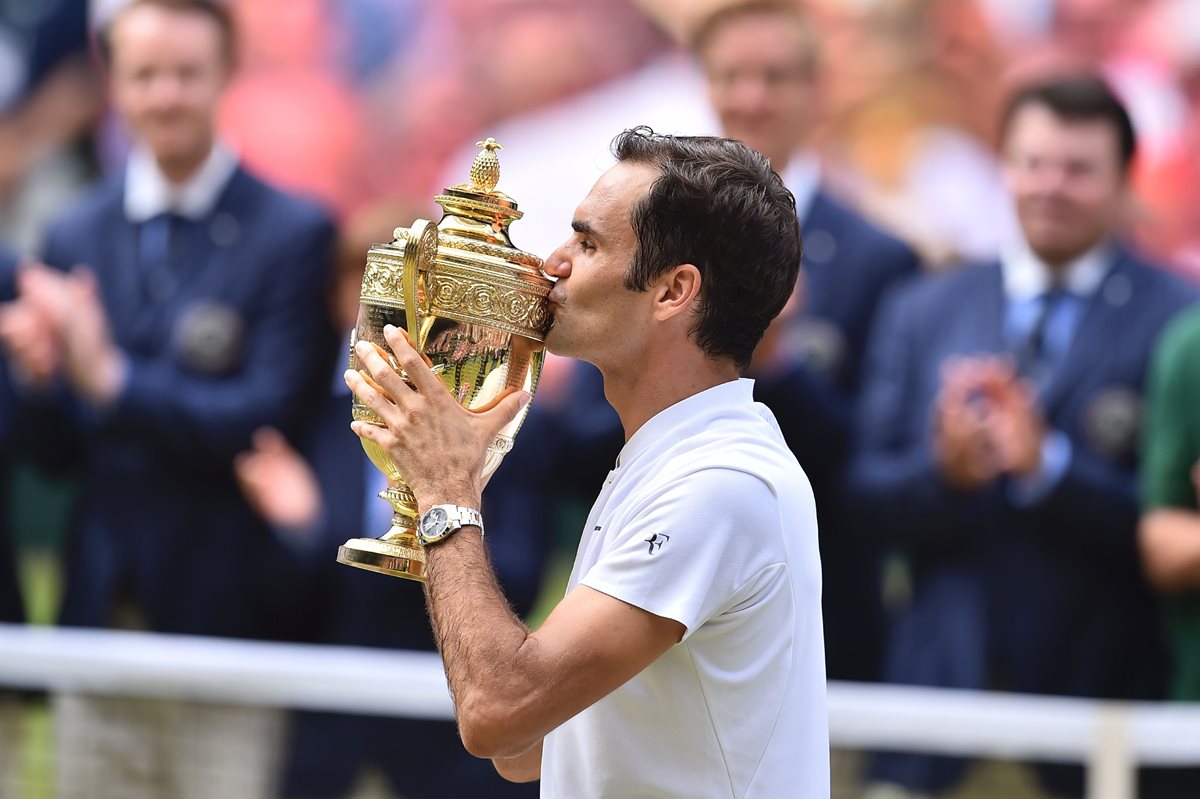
(676, 291)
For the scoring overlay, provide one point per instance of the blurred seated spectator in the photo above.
(998, 438)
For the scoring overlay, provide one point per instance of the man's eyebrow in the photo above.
(579, 226)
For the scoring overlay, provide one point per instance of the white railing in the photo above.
(1110, 738)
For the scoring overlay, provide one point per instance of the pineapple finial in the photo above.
(485, 172)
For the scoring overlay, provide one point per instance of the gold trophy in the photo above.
(475, 306)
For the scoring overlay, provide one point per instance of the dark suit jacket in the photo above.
(1055, 586)
(848, 266)
(11, 609)
(240, 342)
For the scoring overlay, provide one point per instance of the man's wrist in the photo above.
(109, 380)
(464, 498)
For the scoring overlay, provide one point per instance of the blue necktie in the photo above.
(1031, 353)
(157, 278)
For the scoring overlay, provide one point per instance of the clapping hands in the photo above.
(986, 423)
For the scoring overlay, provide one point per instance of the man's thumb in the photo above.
(506, 409)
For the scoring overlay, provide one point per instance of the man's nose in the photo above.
(557, 265)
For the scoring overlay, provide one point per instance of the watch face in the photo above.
(433, 523)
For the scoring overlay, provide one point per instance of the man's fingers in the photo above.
(416, 366)
(383, 376)
(370, 395)
(370, 432)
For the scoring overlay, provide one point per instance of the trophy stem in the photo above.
(397, 552)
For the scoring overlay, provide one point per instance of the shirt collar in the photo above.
(149, 193)
(1027, 276)
(734, 392)
(802, 176)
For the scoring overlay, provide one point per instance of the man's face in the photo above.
(758, 83)
(167, 74)
(595, 317)
(1066, 180)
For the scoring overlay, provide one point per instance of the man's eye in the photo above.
(586, 245)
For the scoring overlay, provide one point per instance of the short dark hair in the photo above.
(216, 11)
(715, 204)
(709, 25)
(1076, 98)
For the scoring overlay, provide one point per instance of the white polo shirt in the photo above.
(707, 519)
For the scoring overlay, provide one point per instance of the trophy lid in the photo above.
(478, 199)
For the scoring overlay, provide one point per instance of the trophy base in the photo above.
(402, 557)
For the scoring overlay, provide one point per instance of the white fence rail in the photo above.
(1111, 738)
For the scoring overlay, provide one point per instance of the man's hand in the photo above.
(1170, 544)
(71, 307)
(278, 483)
(1016, 424)
(438, 445)
(962, 446)
(93, 363)
(30, 342)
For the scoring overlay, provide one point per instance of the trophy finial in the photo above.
(485, 172)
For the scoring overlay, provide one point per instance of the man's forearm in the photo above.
(480, 639)
(1170, 544)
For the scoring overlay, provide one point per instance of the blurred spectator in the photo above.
(319, 497)
(762, 63)
(49, 99)
(998, 436)
(192, 315)
(911, 109)
(1170, 530)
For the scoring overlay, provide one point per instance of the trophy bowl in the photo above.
(475, 306)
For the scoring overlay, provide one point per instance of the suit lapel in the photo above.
(990, 312)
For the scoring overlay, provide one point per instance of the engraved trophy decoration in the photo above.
(475, 306)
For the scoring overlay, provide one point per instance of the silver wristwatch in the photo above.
(440, 521)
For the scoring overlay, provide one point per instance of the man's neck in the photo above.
(639, 393)
(179, 170)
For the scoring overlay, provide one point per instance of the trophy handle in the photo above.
(419, 254)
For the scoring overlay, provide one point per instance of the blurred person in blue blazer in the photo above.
(186, 300)
(318, 495)
(998, 438)
(762, 62)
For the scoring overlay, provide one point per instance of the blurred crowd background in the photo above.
(175, 459)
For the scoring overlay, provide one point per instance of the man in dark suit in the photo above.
(762, 63)
(998, 437)
(192, 315)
